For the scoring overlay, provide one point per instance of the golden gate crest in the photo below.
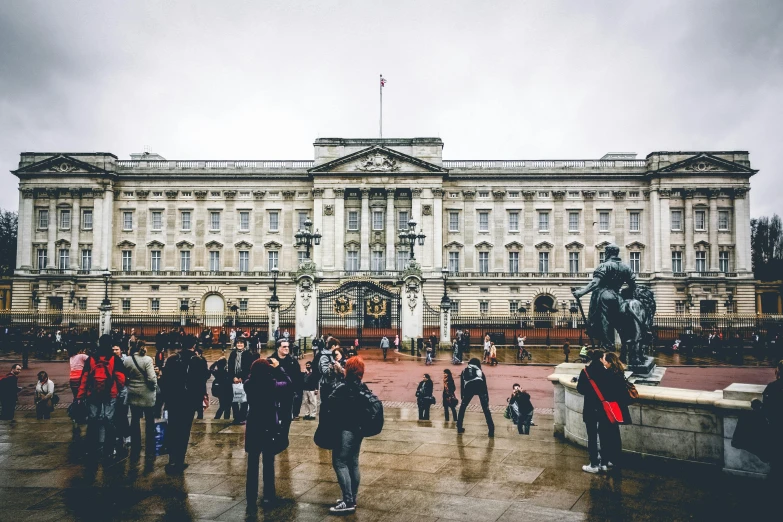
(376, 306)
(342, 305)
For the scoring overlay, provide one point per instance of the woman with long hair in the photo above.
(142, 384)
(449, 394)
(614, 389)
(424, 397)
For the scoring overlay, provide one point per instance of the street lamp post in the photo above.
(106, 279)
(305, 237)
(410, 237)
(445, 302)
(274, 302)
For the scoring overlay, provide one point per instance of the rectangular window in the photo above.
(601, 257)
(155, 260)
(454, 307)
(65, 259)
(483, 262)
(155, 304)
(573, 262)
(82, 303)
(543, 262)
(603, 194)
(453, 262)
(214, 261)
(677, 262)
(126, 305)
(679, 307)
(157, 194)
(483, 193)
(453, 221)
(377, 220)
(86, 259)
(184, 218)
(634, 222)
(353, 220)
(244, 220)
(573, 221)
(42, 258)
(513, 194)
(513, 262)
(700, 220)
(214, 220)
(65, 219)
(351, 261)
(603, 221)
(184, 260)
(87, 219)
(543, 221)
(723, 261)
(543, 194)
(377, 262)
(402, 259)
(301, 257)
(402, 221)
(127, 220)
(676, 220)
(483, 222)
(635, 260)
(274, 221)
(513, 221)
(43, 219)
(301, 218)
(243, 304)
(633, 194)
(244, 261)
(513, 307)
(127, 260)
(183, 304)
(157, 220)
(701, 261)
(187, 193)
(272, 260)
(573, 194)
(483, 307)
(723, 220)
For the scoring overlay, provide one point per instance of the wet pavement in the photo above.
(413, 470)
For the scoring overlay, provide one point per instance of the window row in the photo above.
(214, 260)
(544, 221)
(184, 304)
(724, 261)
(700, 220)
(63, 261)
(64, 219)
(574, 262)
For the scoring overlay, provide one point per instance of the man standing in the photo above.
(773, 410)
(184, 384)
(9, 390)
(384, 346)
(292, 369)
(239, 363)
(309, 401)
(473, 383)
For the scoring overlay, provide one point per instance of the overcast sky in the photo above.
(493, 79)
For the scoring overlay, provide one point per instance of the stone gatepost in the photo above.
(445, 321)
(412, 303)
(306, 306)
(105, 319)
(274, 319)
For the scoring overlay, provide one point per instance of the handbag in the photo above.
(632, 391)
(78, 411)
(453, 401)
(612, 409)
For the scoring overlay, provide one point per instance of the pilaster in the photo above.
(437, 235)
(364, 252)
(391, 230)
(318, 224)
(339, 228)
(689, 262)
(713, 230)
(52, 229)
(107, 225)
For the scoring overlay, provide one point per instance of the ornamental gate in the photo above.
(363, 310)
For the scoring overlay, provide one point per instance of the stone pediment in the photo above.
(185, 244)
(453, 244)
(544, 245)
(60, 163)
(352, 243)
(602, 245)
(514, 245)
(574, 245)
(378, 160)
(155, 244)
(214, 244)
(484, 244)
(635, 245)
(126, 244)
(272, 245)
(707, 164)
(243, 244)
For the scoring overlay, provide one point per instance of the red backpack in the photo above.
(101, 378)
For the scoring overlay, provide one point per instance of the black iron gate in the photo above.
(362, 310)
(431, 325)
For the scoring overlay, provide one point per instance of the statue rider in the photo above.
(606, 314)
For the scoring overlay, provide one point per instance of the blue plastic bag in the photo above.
(160, 438)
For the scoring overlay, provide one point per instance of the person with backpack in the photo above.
(101, 381)
(184, 384)
(142, 385)
(473, 383)
(424, 397)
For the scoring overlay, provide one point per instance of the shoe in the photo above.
(355, 504)
(588, 468)
(491, 434)
(269, 503)
(341, 508)
(460, 430)
(607, 467)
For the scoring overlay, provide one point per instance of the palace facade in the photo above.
(513, 234)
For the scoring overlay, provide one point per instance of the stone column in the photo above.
(558, 263)
(529, 261)
(498, 233)
(437, 236)
(655, 204)
(689, 263)
(306, 305)
(588, 216)
(339, 228)
(98, 260)
(391, 231)
(318, 224)
(24, 253)
(76, 223)
(274, 321)
(364, 249)
(412, 305)
(469, 230)
(52, 229)
(666, 227)
(742, 230)
(107, 225)
(427, 225)
(713, 230)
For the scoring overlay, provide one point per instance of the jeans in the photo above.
(310, 403)
(8, 407)
(251, 485)
(137, 412)
(43, 409)
(297, 406)
(239, 411)
(523, 425)
(100, 424)
(225, 408)
(345, 461)
(484, 399)
(424, 409)
(178, 433)
(592, 443)
(446, 409)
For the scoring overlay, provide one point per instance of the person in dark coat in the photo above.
(520, 400)
(593, 412)
(221, 387)
(184, 384)
(449, 394)
(9, 391)
(239, 363)
(614, 389)
(473, 383)
(294, 372)
(267, 391)
(424, 397)
(773, 411)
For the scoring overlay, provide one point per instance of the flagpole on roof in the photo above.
(381, 118)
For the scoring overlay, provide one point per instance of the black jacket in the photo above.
(184, 381)
(266, 428)
(474, 387)
(246, 362)
(345, 406)
(221, 386)
(424, 390)
(593, 410)
(773, 406)
(291, 368)
(522, 401)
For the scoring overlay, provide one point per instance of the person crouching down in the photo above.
(263, 434)
(523, 408)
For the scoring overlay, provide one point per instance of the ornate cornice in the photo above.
(318, 192)
(558, 194)
(499, 194)
(469, 194)
(713, 193)
(416, 192)
(339, 192)
(364, 193)
(142, 194)
(688, 193)
(739, 193)
(259, 194)
(27, 193)
(230, 194)
(200, 194)
(664, 193)
(618, 194)
(172, 194)
(646, 194)
(289, 194)
(528, 194)
(438, 192)
(588, 194)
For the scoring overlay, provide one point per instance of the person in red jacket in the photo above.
(101, 381)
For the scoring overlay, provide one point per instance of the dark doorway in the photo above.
(708, 306)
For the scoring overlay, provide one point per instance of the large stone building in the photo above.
(513, 233)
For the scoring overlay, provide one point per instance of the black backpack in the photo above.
(371, 422)
(317, 374)
(470, 374)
